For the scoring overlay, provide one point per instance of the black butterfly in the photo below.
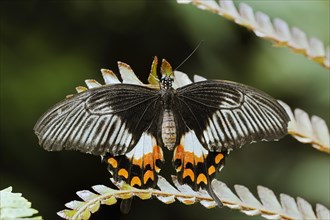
(130, 124)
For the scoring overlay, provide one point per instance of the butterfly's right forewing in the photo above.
(104, 119)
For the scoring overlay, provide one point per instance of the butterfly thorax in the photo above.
(168, 127)
(166, 82)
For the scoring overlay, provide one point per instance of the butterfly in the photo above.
(130, 124)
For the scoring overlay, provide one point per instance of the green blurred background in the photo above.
(50, 47)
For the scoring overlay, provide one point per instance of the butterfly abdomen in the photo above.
(168, 129)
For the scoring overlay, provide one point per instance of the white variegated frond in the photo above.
(128, 76)
(198, 78)
(267, 205)
(80, 89)
(276, 30)
(109, 77)
(92, 83)
(180, 79)
(312, 130)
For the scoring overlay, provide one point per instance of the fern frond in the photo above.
(312, 130)
(277, 31)
(14, 206)
(267, 206)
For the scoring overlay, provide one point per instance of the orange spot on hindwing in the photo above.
(201, 179)
(188, 173)
(211, 170)
(113, 162)
(135, 181)
(123, 172)
(148, 175)
(218, 158)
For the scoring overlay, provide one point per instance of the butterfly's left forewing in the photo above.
(215, 117)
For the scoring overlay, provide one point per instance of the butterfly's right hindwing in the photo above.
(105, 119)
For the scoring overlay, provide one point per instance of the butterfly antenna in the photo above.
(198, 45)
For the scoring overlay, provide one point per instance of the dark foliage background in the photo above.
(49, 47)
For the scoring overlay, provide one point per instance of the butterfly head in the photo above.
(167, 75)
(166, 82)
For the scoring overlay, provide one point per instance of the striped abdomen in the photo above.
(168, 129)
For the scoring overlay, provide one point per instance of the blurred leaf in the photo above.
(14, 206)
(306, 130)
(277, 31)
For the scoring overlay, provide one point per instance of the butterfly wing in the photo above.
(215, 117)
(226, 115)
(109, 119)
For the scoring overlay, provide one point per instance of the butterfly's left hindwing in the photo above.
(195, 165)
(226, 115)
(109, 119)
(215, 117)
